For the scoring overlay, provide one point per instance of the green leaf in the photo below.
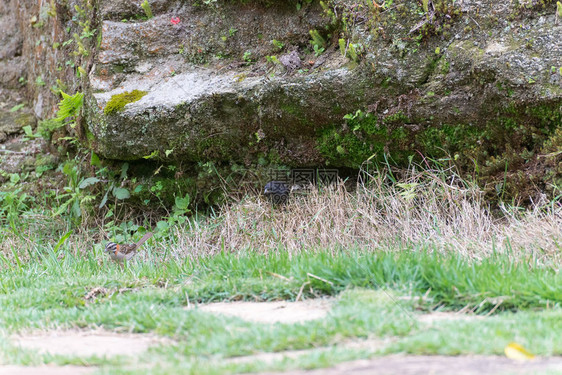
(95, 160)
(147, 10)
(353, 116)
(76, 208)
(168, 152)
(121, 193)
(67, 169)
(124, 169)
(17, 107)
(88, 181)
(183, 203)
(14, 178)
(28, 131)
(62, 207)
(62, 240)
(104, 199)
(152, 155)
(162, 225)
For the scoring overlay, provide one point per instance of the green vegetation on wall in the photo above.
(516, 139)
(364, 137)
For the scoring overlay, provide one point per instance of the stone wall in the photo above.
(267, 82)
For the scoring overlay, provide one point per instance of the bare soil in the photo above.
(273, 312)
(371, 344)
(46, 370)
(423, 365)
(87, 343)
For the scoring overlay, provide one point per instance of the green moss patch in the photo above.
(512, 155)
(118, 102)
(365, 137)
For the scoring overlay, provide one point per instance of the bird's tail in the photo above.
(143, 240)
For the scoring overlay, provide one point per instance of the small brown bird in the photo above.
(119, 253)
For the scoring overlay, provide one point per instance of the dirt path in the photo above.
(273, 312)
(87, 343)
(46, 370)
(99, 342)
(423, 365)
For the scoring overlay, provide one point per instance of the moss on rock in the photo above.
(119, 101)
(365, 137)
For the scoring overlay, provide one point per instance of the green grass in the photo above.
(150, 297)
(452, 281)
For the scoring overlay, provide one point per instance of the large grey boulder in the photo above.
(204, 102)
(479, 82)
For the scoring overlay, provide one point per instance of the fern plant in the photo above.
(69, 108)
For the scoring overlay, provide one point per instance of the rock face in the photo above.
(209, 92)
(477, 82)
(11, 42)
(13, 117)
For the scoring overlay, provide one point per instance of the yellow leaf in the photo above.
(517, 352)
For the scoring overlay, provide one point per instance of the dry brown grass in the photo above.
(39, 231)
(425, 209)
